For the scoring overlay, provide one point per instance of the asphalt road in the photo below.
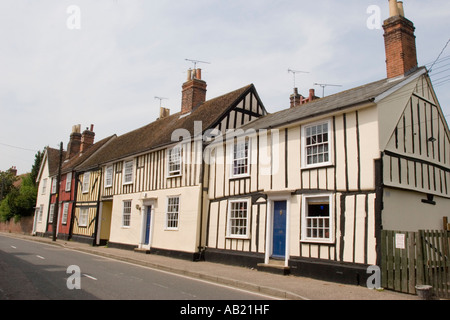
(36, 271)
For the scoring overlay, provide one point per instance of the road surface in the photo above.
(36, 271)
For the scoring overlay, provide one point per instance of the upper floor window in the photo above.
(174, 162)
(128, 172)
(68, 181)
(54, 182)
(85, 185)
(44, 186)
(241, 158)
(108, 176)
(316, 144)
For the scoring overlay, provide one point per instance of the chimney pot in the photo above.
(393, 8)
(193, 93)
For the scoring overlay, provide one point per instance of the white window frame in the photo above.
(306, 199)
(109, 176)
(126, 213)
(230, 219)
(172, 216)
(65, 213)
(51, 213)
(85, 184)
(84, 217)
(41, 211)
(68, 181)
(54, 183)
(305, 146)
(176, 162)
(44, 186)
(236, 144)
(128, 172)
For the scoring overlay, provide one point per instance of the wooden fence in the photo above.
(415, 258)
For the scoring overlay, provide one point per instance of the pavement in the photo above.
(282, 287)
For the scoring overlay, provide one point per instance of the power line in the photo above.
(431, 68)
(16, 147)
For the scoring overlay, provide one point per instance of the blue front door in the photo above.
(279, 229)
(147, 225)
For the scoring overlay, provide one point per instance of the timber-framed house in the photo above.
(308, 190)
(150, 180)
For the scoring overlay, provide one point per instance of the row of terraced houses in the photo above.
(223, 180)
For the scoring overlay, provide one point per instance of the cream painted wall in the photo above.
(183, 239)
(404, 211)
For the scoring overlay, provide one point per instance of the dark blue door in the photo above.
(147, 225)
(279, 229)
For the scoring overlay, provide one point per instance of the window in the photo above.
(128, 172)
(240, 159)
(41, 210)
(173, 211)
(54, 182)
(317, 219)
(51, 213)
(238, 218)
(174, 162)
(108, 176)
(126, 213)
(316, 144)
(85, 185)
(44, 186)
(68, 181)
(65, 213)
(83, 220)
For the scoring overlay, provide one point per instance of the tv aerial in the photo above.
(196, 61)
(324, 85)
(294, 72)
(161, 99)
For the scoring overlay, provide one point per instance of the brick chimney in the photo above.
(400, 42)
(297, 99)
(194, 91)
(73, 148)
(87, 138)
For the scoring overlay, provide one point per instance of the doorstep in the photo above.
(142, 250)
(274, 266)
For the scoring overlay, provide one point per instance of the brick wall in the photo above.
(24, 226)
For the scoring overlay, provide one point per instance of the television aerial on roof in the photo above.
(196, 61)
(323, 85)
(294, 72)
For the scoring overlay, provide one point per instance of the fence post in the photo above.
(420, 278)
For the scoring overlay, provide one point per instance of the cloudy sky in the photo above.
(108, 71)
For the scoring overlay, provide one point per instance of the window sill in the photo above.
(242, 176)
(238, 237)
(318, 166)
(317, 241)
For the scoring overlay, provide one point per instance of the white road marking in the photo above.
(13, 247)
(90, 277)
(40, 257)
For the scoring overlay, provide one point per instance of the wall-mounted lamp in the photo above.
(138, 207)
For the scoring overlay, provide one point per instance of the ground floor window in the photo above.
(173, 211)
(83, 220)
(238, 214)
(317, 218)
(126, 213)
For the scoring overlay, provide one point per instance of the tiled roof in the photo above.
(158, 133)
(332, 103)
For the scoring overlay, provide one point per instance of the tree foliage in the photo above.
(19, 201)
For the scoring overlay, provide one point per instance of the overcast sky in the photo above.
(126, 52)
